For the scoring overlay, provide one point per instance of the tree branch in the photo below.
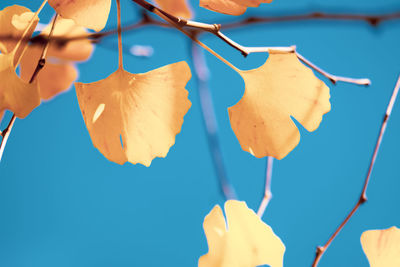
(210, 122)
(363, 197)
(267, 192)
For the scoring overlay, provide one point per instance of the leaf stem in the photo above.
(24, 35)
(363, 197)
(120, 56)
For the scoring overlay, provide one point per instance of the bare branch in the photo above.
(210, 121)
(363, 197)
(267, 192)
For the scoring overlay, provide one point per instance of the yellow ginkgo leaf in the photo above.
(135, 117)
(59, 71)
(179, 8)
(382, 247)
(242, 241)
(281, 88)
(15, 94)
(231, 7)
(13, 22)
(92, 14)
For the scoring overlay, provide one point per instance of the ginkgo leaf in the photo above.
(231, 7)
(281, 88)
(16, 95)
(382, 247)
(179, 8)
(242, 241)
(92, 14)
(135, 117)
(59, 71)
(13, 22)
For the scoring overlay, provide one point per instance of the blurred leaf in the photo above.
(179, 8)
(15, 94)
(382, 247)
(231, 7)
(59, 71)
(281, 88)
(92, 14)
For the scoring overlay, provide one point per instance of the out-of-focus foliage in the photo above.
(16, 95)
(59, 72)
(231, 7)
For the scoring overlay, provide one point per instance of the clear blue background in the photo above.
(63, 204)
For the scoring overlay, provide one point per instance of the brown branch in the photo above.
(267, 191)
(373, 20)
(41, 62)
(363, 197)
(215, 29)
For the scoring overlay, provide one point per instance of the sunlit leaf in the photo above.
(135, 117)
(179, 8)
(242, 241)
(281, 88)
(92, 14)
(382, 247)
(59, 71)
(231, 7)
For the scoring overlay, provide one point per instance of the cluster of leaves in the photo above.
(135, 117)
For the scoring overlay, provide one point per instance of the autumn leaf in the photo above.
(135, 117)
(59, 72)
(382, 247)
(15, 94)
(242, 241)
(179, 8)
(92, 14)
(281, 88)
(231, 7)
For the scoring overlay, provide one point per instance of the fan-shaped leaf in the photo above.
(242, 241)
(92, 14)
(281, 88)
(135, 117)
(382, 247)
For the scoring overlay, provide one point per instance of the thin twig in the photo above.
(267, 192)
(210, 121)
(41, 62)
(120, 58)
(363, 196)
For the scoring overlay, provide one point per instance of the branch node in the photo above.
(363, 199)
(320, 250)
